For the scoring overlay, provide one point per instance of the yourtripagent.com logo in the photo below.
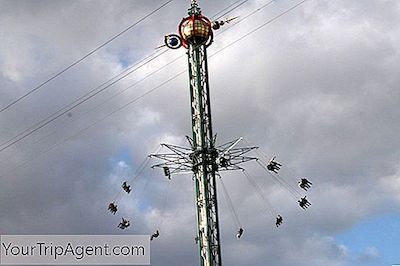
(74, 250)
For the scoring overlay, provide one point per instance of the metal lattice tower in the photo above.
(204, 159)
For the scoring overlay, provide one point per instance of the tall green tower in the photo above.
(203, 158)
(197, 34)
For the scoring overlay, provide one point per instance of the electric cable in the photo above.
(160, 85)
(97, 121)
(82, 58)
(82, 99)
(223, 10)
(111, 97)
(233, 8)
(43, 122)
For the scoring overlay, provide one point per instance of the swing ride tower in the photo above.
(196, 34)
(203, 159)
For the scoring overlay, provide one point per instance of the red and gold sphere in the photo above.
(195, 30)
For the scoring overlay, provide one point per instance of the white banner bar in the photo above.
(75, 250)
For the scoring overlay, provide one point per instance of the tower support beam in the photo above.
(204, 158)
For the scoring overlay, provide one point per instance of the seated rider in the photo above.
(279, 220)
(124, 224)
(223, 162)
(167, 172)
(112, 207)
(304, 203)
(305, 184)
(273, 165)
(155, 235)
(240, 233)
(126, 187)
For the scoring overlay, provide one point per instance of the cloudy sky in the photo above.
(318, 88)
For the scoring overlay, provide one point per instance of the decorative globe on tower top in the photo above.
(196, 30)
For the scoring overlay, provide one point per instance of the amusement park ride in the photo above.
(204, 157)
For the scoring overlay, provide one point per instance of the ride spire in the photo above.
(203, 158)
(194, 9)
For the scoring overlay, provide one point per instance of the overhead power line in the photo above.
(82, 58)
(32, 128)
(230, 10)
(157, 87)
(134, 100)
(27, 132)
(63, 111)
(80, 100)
(115, 95)
(219, 12)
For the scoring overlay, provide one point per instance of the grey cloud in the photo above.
(318, 88)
